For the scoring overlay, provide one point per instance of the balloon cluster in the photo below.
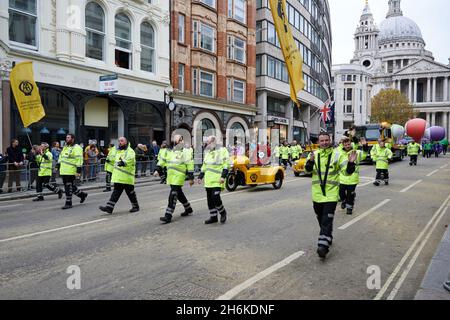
(417, 129)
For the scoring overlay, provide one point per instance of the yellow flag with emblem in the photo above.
(291, 53)
(26, 93)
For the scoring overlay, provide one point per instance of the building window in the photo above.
(236, 90)
(204, 36)
(237, 10)
(211, 3)
(276, 107)
(259, 31)
(23, 22)
(348, 109)
(181, 28)
(258, 65)
(349, 94)
(277, 69)
(181, 77)
(272, 35)
(147, 47)
(95, 31)
(236, 49)
(123, 41)
(203, 83)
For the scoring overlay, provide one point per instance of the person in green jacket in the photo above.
(413, 152)
(44, 159)
(214, 171)
(381, 155)
(296, 151)
(348, 184)
(123, 177)
(180, 165)
(285, 152)
(162, 158)
(428, 149)
(326, 165)
(109, 166)
(70, 164)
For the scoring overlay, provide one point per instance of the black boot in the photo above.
(166, 219)
(212, 220)
(349, 211)
(187, 212)
(83, 197)
(322, 252)
(60, 194)
(39, 198)
(107, 190)
(134, 209)
(223, 217)
(67, 206)
(108, 210)
(376, 183)
(343, 205)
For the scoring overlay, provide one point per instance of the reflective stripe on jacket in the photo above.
(124, 175)
(354, 178)
(179, 163)
(413, 149)
(110, 160)
(213, 165)
(70, 159)
(45, 165)
(381, 156)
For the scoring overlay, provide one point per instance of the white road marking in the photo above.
(365, 184)
(444, 166)
(362, 216)
(11, 206)
(431, 173)
(52, 230)
(408, 253)
(411, 186)
(414, 258)
(367, 178)
(238, 289)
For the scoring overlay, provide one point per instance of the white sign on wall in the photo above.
(109, 84)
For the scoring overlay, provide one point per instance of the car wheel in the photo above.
(232, 182)
(278, 180)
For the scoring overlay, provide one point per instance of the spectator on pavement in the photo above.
(15, 163)
(3, 168)
(92, 155)
(141, 152)
(33, 166)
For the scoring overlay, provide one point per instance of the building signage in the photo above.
(109, 84)
(278, 120)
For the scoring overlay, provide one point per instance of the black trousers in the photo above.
(176, 194)
(33, 176)
(118, 190)
(71, 188)
(215, 204)
(44, 182)
(14, 176)
(347, 194)
(325, 216)
(108, 179)
(382, 174)
(413, 160)
(2, 179)
(285, 162)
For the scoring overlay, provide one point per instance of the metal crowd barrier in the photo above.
(91, 173)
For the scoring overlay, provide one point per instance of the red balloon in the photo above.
(416, 129)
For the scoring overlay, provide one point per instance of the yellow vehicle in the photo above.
(299, 165)
(242, 173)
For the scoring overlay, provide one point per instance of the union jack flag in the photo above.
(327, 112)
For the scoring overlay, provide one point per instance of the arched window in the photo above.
(95, 31)
(123, 41)
(147, 47)
(23, 22)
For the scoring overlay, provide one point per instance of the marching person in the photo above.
(381, 156)
(285, 152)
(70, 165)
(326, 165)
(44, 159)
(123, 177)
(180, 165)
(109, 166)
(348, 183)
(413, 152)
(162, 157)
(296, 151)
(214, 171)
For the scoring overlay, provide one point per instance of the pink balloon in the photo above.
(416, 128)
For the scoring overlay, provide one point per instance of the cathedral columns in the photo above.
(428, 89)
(445, 120)
(446, 98)
(415, 91)
(410, 90)
(429, 118)
(433, 119)
(434, 89)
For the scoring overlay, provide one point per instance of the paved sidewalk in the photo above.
(84, 186)
(432, 287)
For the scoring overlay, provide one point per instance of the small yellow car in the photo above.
(242, 173)
(299, 165)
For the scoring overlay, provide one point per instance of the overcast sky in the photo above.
(432, 16)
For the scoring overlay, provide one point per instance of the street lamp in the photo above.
(170, 104)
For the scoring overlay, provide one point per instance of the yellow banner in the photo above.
(26, 93)
(291, 53)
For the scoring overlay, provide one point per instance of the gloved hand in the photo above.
(79, 170)
(58, 166)
(121, 164)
